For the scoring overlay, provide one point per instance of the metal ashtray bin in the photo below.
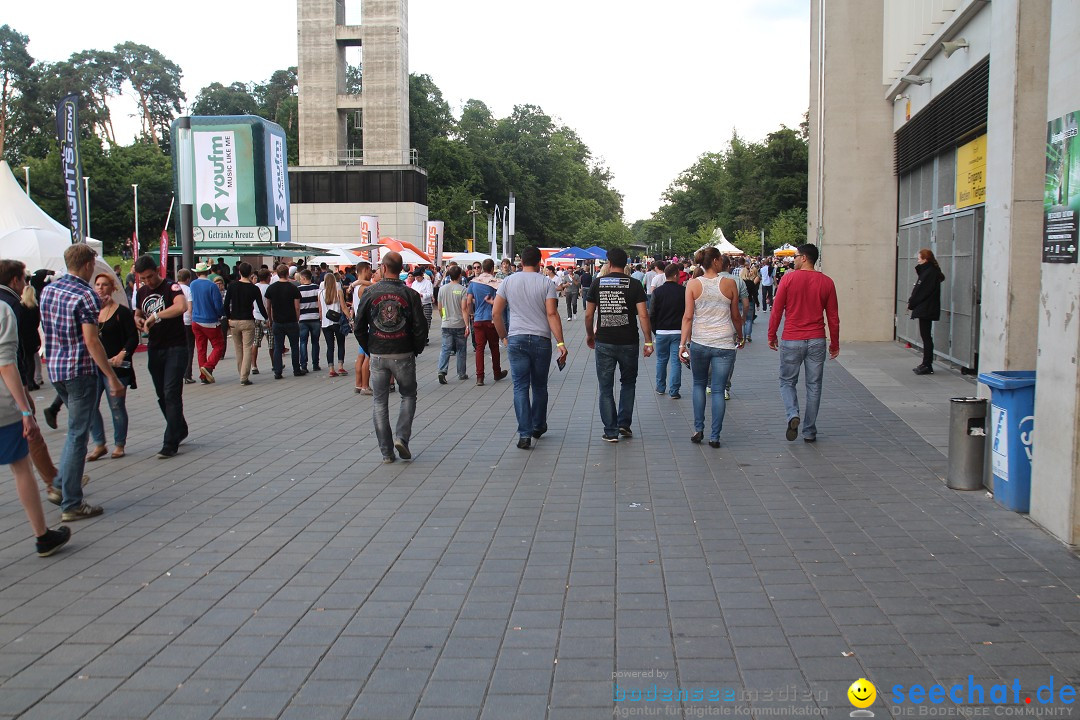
(967, 441)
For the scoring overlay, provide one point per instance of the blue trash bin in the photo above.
(1011, 425)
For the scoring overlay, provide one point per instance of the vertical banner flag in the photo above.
(278, 171)
(435, 240)
(369, 235)
(164, 252)
(67, 130)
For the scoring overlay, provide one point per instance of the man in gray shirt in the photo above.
(455, 330)
(534, 318)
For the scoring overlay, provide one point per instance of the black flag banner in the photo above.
(67, 129)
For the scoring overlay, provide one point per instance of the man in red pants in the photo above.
(480, 299)
(207, 309)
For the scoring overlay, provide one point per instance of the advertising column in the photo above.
(369, 235)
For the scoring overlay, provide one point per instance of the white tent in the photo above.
(27, 233)
(464, 258)
(722, 244)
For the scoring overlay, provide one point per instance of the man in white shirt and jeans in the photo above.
(766, 272)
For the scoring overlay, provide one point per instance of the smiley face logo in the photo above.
(862, 693)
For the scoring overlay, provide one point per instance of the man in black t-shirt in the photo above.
(159, 311)
(620, 301)
(284, 308)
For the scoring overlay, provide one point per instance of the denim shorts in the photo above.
(13, 446)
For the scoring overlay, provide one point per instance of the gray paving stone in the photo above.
(285, 594)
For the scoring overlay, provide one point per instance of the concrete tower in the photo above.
(334, 184)
(384, 102)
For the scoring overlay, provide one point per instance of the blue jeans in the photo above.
(404, 371)
(281, 331)
(748, 323)
(710, 366)
(453, 340)
(626, 358)
(310, 329)
(668, 367)
(333, 335)
(811, 354)
(79, 394)
(530, 361)
(118, 408)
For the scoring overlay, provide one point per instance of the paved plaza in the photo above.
(276, 569)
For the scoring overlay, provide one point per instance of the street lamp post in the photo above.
(135, 237)
(501, 218)
(473, 212)
(26, 172)
(86, 202)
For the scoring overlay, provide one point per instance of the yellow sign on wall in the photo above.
(971, 173)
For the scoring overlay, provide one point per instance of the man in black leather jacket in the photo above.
(392, 330)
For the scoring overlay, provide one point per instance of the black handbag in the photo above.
(333, 316)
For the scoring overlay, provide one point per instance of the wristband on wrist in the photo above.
(648, 344)
(27, 413)
(560, 344)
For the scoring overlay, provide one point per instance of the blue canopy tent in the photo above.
(599, 253)
(573, 253)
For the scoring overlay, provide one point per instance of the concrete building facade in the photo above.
(336, 184)
(943, 144)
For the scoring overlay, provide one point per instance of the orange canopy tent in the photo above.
(400, 246)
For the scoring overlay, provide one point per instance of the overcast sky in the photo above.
(649, 86)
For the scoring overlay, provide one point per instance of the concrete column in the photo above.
(386, 82)
(1055, 491)
(1015, 168)
(852, 193)
(321, 76)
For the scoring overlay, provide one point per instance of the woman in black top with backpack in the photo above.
(925, 305)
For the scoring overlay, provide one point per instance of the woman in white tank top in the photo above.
(713, 320)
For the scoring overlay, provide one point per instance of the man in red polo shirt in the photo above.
(803, 298)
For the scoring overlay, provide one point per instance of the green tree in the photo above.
(430, 118)
(271, 94)
(789, 226)
(15, 75)
(218, 99)
(748, 240)
(288, 117)
(156, 81)
(98, 74)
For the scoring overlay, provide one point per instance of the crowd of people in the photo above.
(695, 314)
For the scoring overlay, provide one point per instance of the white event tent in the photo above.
(722, 244)
(27, 233)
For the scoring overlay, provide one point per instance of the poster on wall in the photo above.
(971, 173)
(1061, 197)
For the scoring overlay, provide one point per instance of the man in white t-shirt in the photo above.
(534, 318)
(766, 272)
(658, 279)
(646, 282)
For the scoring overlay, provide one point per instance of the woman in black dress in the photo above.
(120, 338)
(29, 337)
(925, 305)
